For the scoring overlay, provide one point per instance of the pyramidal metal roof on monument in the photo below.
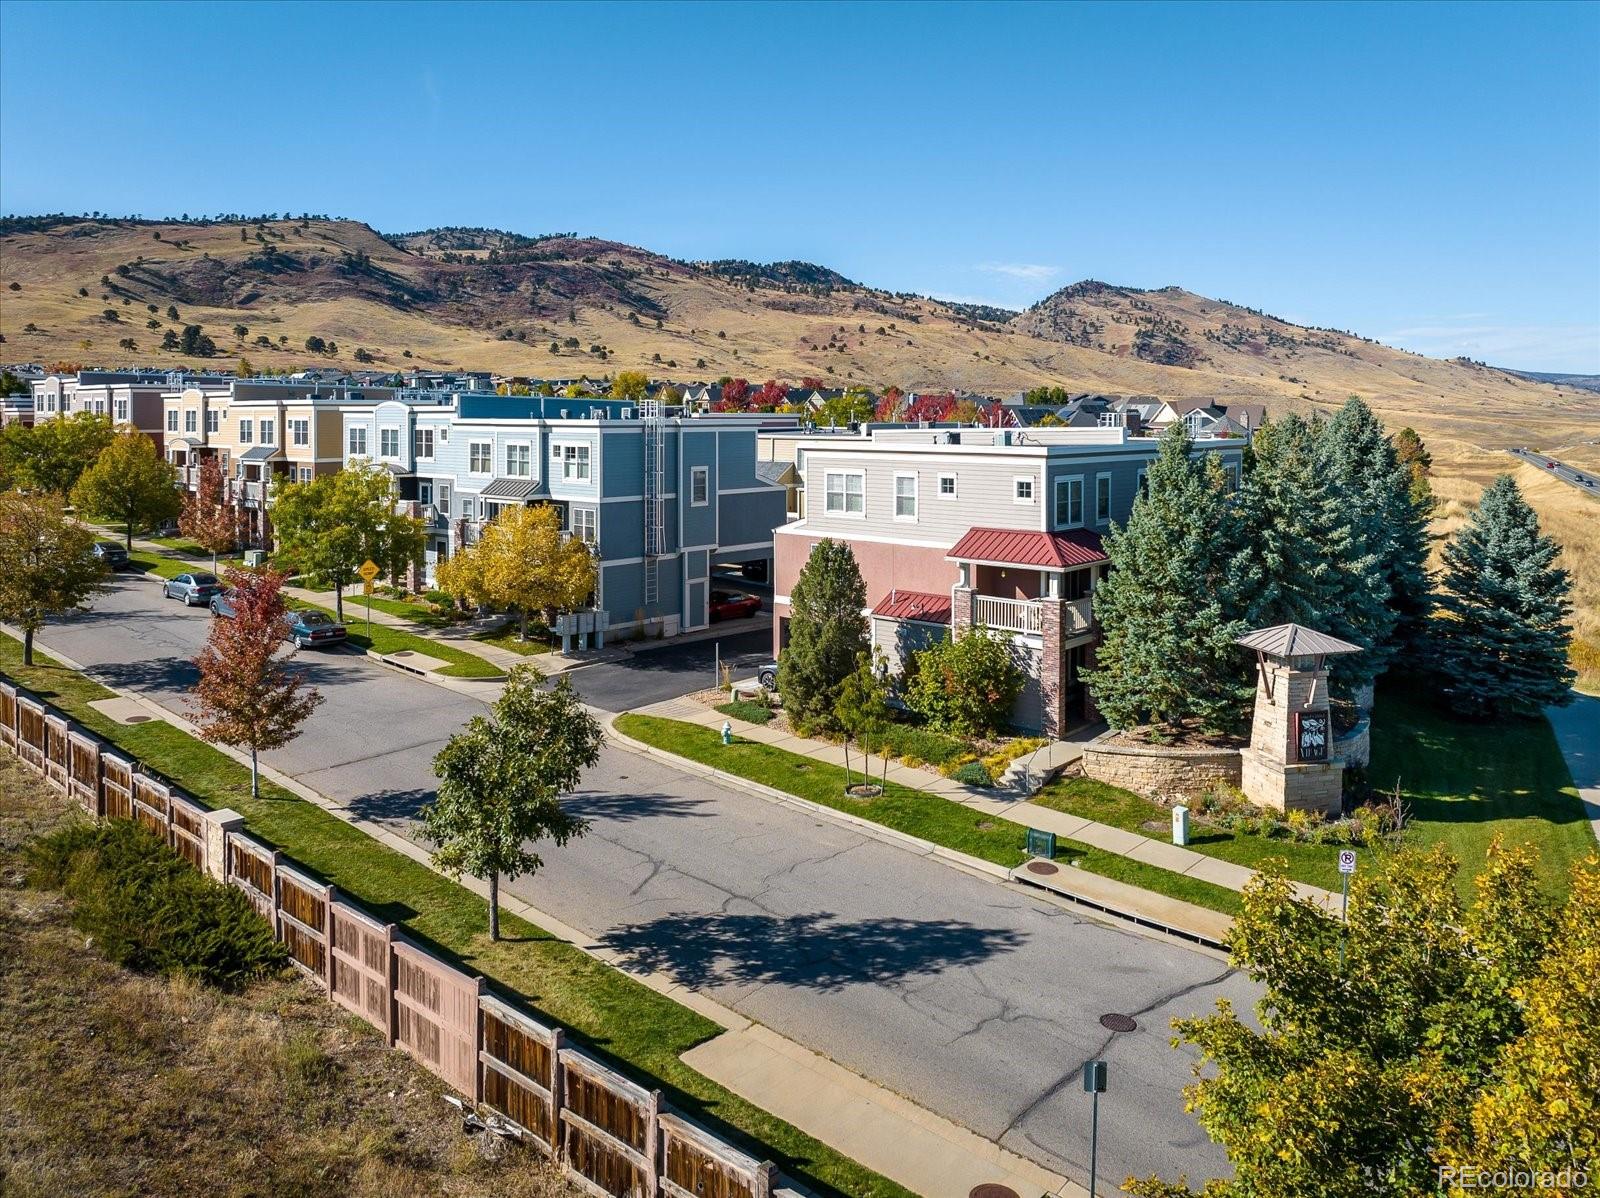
(1295, 640)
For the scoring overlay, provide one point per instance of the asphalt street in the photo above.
(1581, 479)
(976, 1000)
(651, 675)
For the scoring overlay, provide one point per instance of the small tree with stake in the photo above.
(208, 518)
(47, 563)
(862, 710)
(246, 697)
(501, 779)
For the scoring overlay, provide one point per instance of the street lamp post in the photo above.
(1094, 1082)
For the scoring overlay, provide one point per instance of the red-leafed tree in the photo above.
(208, 518)
(931, 407)
(812, 383)
(246, 697)
(889, 405)
(771, 395)
(735, 396)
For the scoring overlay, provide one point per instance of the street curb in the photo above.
(963, 861)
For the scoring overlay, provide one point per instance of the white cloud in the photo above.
(1573, 348)
(1029, 271)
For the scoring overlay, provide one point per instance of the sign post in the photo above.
(1347, 866)
(1094, 1082)
(368, 571)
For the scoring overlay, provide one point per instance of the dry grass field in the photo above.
(439, 301)
(113, 1083)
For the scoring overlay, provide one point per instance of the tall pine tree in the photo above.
(1502, 634)
(827, 634)
(1309, 544)
(1363, 462)
(1174, 601)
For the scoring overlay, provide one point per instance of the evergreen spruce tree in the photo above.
(827, 634)
(1174, 602)
(1316, 565)
(1392, 606)
(1502, 635)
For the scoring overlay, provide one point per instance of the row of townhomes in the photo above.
(955, 528)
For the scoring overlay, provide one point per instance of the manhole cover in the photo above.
(402, 653)
(990, 1189)
(137, 719)
(1043, 867)
(1118, 1023)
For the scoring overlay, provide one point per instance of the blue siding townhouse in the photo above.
(660, 499)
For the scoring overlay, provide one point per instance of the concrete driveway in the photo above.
(977, 1001)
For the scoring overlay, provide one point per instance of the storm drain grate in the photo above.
(1118, 1023)
(1043, 867)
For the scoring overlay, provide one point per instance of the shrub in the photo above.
(149, 910)
(743, 709)
(974, 773)
(966, 686)
(925, 744)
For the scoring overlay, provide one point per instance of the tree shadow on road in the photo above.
(626, 808)
(391, 806)
(814, 951)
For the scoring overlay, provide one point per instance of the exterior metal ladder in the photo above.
(653, 429)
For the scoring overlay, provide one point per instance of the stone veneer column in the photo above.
(960, 610)
(218, 825)
(1271, 775)
(1052, 670)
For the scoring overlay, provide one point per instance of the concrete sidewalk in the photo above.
(1577, 729)
(871, 1124)
(1016, 810)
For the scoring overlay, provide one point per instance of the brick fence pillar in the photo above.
(1052, 670)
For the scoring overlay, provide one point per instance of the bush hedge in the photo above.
(743, 709)
(146, 908)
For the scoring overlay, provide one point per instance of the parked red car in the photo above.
(731, 605)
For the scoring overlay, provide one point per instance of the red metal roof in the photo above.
(1020, 547)
(914, 605)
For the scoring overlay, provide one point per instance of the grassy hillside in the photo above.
(487, 299)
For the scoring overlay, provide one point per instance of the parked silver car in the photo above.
(196, 590)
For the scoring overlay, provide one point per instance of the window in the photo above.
(1022, 488)
(305, 474)
(444, 499)
(905, 497)
(1194, 421)
(269, 432)
(575, 463)
(300, 432)
(357, 439)
(172, 420)
(213, 421)
(555, 452)
(1102, 499)
(583, 524)
(1110, 420)
(480, 457)
(1069, 502)
(517, 464)
(247, 431)
(699, 485)
(122, 411)
(422, 443)
(1230, 471)
(845, 493)
(189, 422)
(947, 486)
(388, 442)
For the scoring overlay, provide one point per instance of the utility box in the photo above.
(255, 557)
(1180, 825)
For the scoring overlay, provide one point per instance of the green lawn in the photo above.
(641, 1031)
(417, 612)
(1464, 784)
(180, 545)
(539, 640)
(385, 638)
(914, 812)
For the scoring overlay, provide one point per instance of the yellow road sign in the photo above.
(366, 586)
(369, 570)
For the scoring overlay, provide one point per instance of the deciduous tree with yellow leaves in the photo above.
(524, 563)
(1423, 1048)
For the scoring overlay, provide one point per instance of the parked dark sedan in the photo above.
(194, 589)
(730, 605)
(113, 555)
(310, 629)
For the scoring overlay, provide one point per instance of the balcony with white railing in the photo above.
(1007, 615)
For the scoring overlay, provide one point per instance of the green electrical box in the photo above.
(1041, 844)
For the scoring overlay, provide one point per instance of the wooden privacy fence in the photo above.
(613, 1138)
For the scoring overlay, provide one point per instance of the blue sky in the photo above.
(1429, 175)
